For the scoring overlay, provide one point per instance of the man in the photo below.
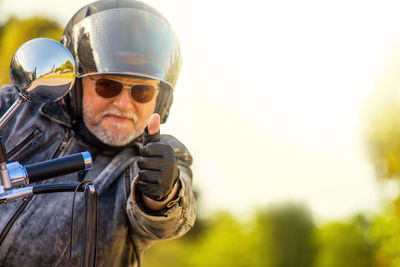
(128, 61)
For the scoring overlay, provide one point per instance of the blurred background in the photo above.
(291, 110)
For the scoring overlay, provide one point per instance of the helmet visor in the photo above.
(126, 41)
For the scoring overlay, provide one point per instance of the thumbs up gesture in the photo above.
(158, 171)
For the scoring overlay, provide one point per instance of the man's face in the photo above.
(118, 120)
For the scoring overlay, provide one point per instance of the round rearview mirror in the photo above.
(43, 70)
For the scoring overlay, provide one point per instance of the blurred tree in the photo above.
(383, 138)
(385, 233)
(287, 233)
(17, 31)
(67, 66)
(223, 243)
(276, 237)
(344, 244)
(383, 120)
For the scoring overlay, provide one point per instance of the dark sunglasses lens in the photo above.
(143, 93)
(108, 88)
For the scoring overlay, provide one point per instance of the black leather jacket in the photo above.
(36, 232)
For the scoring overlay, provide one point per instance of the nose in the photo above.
(123, 101)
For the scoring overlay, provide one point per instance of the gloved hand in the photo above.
(158, 171)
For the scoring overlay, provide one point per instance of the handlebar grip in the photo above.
(57, 167)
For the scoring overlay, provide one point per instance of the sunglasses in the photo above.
(109, 88)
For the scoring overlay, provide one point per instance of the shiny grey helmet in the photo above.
(126, 38)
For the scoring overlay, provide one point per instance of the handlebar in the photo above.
(57, 167)
(14, 179)
(13, 175)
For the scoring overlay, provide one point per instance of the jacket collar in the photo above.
(56, 112)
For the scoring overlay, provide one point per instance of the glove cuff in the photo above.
(139, 201)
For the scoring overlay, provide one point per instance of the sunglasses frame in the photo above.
(128, 85)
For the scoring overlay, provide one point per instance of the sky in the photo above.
(271, 100)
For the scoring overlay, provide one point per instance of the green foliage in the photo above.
(288, 231)
(343, 244)
(224, 239)
(15, 32)
(383, 139)
(385, 232)
(276, 237)
(284, 236)
(222, 243)
(383, 121)
(66, 67)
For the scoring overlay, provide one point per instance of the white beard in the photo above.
(107, 136)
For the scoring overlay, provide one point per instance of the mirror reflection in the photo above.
(43, 70)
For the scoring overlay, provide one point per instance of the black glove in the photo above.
(158, 171)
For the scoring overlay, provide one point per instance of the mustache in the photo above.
(117, 112)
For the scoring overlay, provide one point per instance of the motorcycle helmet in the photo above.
(126, 38)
